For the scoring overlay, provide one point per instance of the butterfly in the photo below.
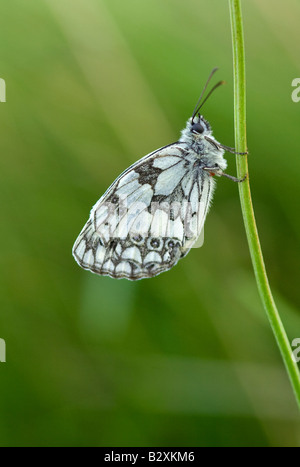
(153, 213)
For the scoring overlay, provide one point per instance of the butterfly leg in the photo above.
(216, 171)
(234, 179)
(232, 150)
(226, 148)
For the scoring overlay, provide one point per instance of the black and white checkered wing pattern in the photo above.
(149, 217)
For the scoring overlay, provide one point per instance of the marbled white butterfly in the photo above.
(153, 213)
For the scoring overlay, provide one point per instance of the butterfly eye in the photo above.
(137, 239)
(171, 244)
(154, 244)
(115, 199)
(197, 128)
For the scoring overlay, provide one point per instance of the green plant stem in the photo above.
(245, 197)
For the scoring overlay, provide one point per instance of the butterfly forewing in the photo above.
(149, 217)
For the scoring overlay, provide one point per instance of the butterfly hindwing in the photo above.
(148, 218)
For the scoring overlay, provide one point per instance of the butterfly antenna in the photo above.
(203, 91)
(198, 105)
(209, 94)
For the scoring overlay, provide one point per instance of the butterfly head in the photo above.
(198, 126)
(196, 130)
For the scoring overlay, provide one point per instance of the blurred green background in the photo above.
(186, 358)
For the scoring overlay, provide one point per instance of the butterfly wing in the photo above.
(148, 218)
